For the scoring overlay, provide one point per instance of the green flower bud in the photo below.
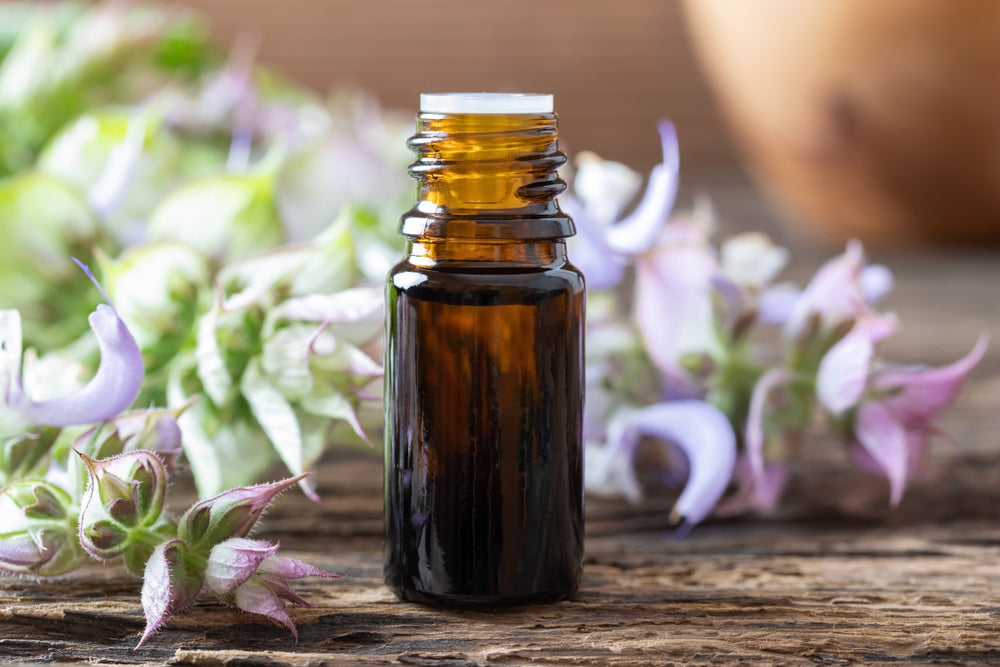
(123, 504)
(38, 533)
(232, 513)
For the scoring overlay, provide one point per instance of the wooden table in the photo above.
(832, 578)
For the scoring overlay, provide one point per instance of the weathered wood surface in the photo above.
(832, 578)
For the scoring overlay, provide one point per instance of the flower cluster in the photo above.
(722, 367)
(74, 491)
(237, 221)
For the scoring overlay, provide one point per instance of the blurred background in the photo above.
(879, 121)
(614, 67)
(870, 120)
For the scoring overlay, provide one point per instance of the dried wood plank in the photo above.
(764, 591)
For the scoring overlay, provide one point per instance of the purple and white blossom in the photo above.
(896, 412)
(605, 243)
(170, 584)
(248, 574)
(695, 309)
(232, 513)
(211, 551)
(110, 391)
(701, 433)
(843, 290)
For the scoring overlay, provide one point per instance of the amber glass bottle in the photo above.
(484, 365)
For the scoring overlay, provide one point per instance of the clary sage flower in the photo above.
(283, 354)
(210, 551)
(248, 574)
(685, 372)
(231, 513)
(604, 244)
(109, 392)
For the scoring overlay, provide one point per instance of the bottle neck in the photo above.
(432, 252)
(486, 176)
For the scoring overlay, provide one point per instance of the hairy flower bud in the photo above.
(123, 504)
(232, 513)
(37, 529)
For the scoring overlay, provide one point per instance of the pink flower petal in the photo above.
(589, 251)
(231, 513)
(752, 494)
(258, 598)
(843, 371)
(884, 439)
(233, 562)
(673, 302)
(917, 396)
(834, 293)
(754, 433)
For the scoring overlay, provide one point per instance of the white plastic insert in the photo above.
(485, 103)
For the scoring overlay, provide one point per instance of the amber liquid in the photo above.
(484, 463)
(484, 371)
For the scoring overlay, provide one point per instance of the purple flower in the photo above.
(248, 574)
(701, 433)
(111, 390)
(673, 298)
(844, 369)
(761, 482)
(841, 291)
(603, 244)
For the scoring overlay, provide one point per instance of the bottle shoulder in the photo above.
(458, 277)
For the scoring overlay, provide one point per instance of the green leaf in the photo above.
(275, 415)
(223, 451)
(335, 406)
(285, 359)
(212, 371)
(43, 220)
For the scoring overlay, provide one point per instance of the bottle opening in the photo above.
(485, 103)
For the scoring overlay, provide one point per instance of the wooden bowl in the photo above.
(877, 120)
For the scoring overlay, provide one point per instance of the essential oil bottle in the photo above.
(484, 363)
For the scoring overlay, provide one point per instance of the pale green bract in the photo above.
(91, 150)
(230, 217)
